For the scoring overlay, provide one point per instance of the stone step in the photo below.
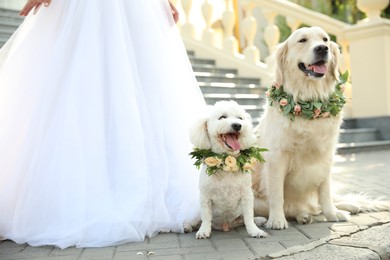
(215, 78)
(3, 40)
(9, 24)
(8, 12)
(343, 148)
(205, 68)
(6, 32)
(208, 88)
(197, 61)
(358, 135)
(10, 18)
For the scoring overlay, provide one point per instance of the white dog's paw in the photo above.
(257, 232)
(304, 218)
(337, 216)
(260, 221)
(203, 233)
(277, 223)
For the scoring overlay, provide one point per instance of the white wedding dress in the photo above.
(96, 98)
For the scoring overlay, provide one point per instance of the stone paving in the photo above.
(366, 236)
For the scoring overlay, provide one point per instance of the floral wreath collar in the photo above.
(308, 109)
(244, 161)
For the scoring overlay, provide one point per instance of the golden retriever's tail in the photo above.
(355, 203)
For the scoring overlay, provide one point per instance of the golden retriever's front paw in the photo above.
(277, 223)
(260, 221)
(203, 233)
(337, 216)
(304, 218)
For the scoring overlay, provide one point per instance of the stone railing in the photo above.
(221, 27)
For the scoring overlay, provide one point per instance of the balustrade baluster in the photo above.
(230, 43)
(208, 33)
(292, 23)
(249, 27)
(271, 31)
(372, 8)
(187, 29)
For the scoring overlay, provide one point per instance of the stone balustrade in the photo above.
(245, 42)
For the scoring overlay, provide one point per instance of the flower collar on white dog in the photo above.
(243, 162)
(308, 109)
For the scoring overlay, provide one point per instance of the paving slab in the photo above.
(365, 236)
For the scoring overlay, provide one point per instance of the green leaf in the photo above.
(317, 105)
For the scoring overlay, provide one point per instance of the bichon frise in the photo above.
(224, 146)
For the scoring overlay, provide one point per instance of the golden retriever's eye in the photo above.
(239, 118)
(325, 39)
(222, 117)
(303, 40)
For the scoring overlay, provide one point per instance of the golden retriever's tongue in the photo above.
(319, 68)
(233, 142)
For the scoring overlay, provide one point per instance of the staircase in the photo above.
(225, 84)
(9, 21)
(365, 134)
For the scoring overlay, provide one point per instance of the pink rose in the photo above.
(276, 85)
(326, 114)
(342, 87)
(283, 102)
(297, 110)
(317, 113)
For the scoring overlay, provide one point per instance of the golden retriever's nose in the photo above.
(321, 50)
(236, 127)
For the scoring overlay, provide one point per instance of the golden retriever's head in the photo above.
(307, 55)
(226, 129)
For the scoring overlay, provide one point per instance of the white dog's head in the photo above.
(307, 57)
(226, 129)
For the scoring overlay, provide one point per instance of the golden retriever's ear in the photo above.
(334, 68)
(199, 135)
(280, 60)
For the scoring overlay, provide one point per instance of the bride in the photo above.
(96, 97)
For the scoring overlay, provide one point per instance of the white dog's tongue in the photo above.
(319, 68)
(233, 142)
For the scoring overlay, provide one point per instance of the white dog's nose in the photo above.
(236, 127)
(321, 50)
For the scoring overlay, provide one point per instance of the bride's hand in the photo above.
(174, 11)
(33, 4)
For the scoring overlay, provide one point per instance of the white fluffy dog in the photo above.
(226, 195)
(300, 128)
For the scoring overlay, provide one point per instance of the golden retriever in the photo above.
(300, 128)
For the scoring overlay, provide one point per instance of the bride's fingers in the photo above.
(34, 5)
(27, 8)
(37, 8)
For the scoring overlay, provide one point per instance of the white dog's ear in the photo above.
(199, 135)
(280, 61)
(334, 69)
